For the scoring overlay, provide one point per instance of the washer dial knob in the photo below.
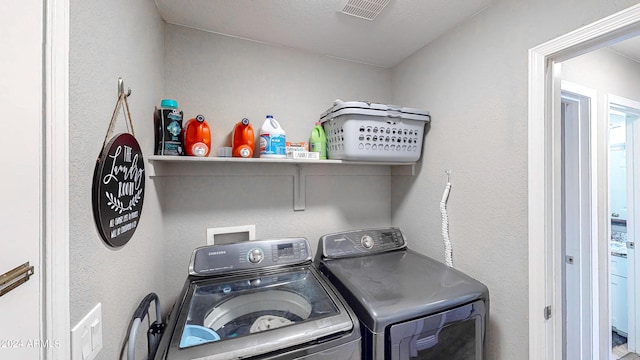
(366, 241)
(255, 255)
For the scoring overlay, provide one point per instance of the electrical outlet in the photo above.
(86, 336)
(231, 234)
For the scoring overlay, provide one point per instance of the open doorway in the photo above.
(619, 116)
(550, 334)
(624, 190)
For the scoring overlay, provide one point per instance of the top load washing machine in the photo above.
(409, 305)
(260, 299)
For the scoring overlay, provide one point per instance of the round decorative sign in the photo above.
(118, 189)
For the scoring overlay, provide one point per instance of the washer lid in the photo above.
(244, 316)
(391, 287)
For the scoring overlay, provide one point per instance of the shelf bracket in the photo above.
(299, 189)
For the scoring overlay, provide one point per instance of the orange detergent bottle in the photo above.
(243, 139)
(197, 137)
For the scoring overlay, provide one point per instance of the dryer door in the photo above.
(453, 334)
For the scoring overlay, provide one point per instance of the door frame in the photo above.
(56, 325)
(580, 274)
(545, 182)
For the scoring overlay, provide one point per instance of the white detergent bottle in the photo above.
(273, 139)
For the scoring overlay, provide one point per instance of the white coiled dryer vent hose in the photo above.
(448, 251)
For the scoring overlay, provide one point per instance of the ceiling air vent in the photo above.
(364, 9)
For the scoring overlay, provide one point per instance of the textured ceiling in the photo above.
(402, 28)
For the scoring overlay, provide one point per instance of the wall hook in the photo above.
(121, 88)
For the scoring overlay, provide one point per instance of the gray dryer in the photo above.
(410, 306)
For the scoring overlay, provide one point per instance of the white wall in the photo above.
(227, 79)
(474, 82)
(111, 39)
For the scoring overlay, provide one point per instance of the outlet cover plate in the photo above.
(250, 231)
(86, 336)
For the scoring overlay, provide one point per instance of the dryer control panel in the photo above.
(248, 255)
(361, 242)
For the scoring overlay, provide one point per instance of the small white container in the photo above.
(273, 139)
(364, 131)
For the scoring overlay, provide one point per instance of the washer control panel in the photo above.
(361, 242)
(222, 259)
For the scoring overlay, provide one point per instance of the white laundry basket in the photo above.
(364, 131)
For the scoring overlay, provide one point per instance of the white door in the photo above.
(21, 159)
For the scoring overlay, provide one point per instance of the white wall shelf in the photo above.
(164, 166)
